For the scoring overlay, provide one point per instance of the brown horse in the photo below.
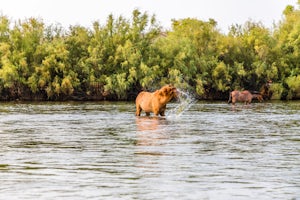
(243, 96)
(155, 101)
(265, 90)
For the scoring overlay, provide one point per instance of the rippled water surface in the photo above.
(100, 150)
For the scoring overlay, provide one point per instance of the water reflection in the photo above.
(151, 130)
(147, 123)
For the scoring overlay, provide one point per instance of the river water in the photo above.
(100, 150)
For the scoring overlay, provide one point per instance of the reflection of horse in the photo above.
(146, 123)
(149, 130)
(243, 96)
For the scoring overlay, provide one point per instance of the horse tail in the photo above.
(230, 98)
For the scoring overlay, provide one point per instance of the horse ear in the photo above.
(160, 92)
(165, 91)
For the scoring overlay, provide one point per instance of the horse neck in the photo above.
(165, 99)
(265, 88)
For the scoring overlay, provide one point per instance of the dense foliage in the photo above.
(124, 56)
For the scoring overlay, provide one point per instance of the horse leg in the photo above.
(162, 110)
(248, 102)
(233, 101)
(230, 99)
(250, 99)
(156, 111)
(138, 110)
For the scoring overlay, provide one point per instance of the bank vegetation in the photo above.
(118, 59)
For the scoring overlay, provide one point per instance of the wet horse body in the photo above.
(155, 101)
(243, 96)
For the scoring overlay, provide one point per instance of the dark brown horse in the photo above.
(243, 96)
(265, 90)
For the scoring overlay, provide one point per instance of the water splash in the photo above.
(186, 101)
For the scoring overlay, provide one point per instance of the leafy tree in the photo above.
(117, 59)
(288, 46)
(4, 29)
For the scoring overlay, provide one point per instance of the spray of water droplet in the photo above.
(186, 100)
